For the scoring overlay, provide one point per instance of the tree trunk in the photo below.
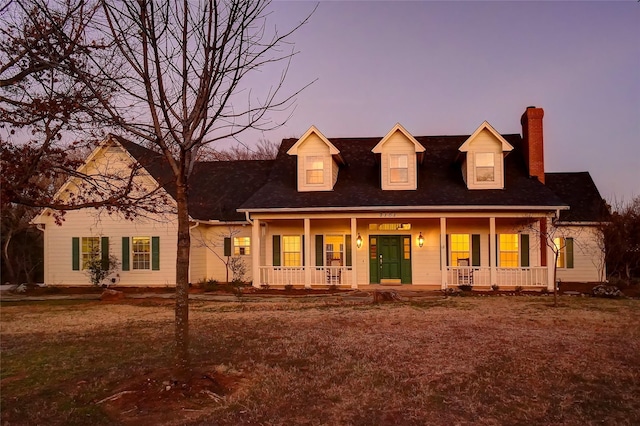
(8, 261)
(182, 282)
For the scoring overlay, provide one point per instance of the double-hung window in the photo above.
(398, 168)
(241, 246)
(485, 167)
(460, 248)
(509, 251)
(334, 250)
(291, 250)
(141, 250)
(315, 170)
(90, 250)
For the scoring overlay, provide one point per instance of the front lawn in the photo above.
(498, 360)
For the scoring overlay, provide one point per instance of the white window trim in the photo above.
(133, 254)
(83, 252)
(309, 163)
(476, 166)
(241, 246)
(393, 157)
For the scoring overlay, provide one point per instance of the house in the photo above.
(426, 211)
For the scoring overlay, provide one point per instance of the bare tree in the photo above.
(622, 240)
(186, 64)
(265, 150)
(51, 98)
(551, 236)
(218, 242)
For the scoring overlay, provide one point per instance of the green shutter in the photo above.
(302, 249)
(569, 247)
(446, 253)
(227, 246)
(126, 251)
(524, 250)
(347, 250)
(475, 250)
(497, 250)
(104, 249)
(75, 253)
(155, 253)
(276, 250)
(319, 250)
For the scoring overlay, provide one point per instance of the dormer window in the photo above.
(398, 168)
(318, 162)
(483, 156)
(400, 155)
(485, 167)
(315, 170)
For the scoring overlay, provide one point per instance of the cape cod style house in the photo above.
(425, 211)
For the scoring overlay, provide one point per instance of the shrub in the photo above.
(238, 269)
(465, 287)
(99, 269)
(333, 287)
(518, 288)
(211, 285)
(495, 287)
(265, 286)
(288, 287)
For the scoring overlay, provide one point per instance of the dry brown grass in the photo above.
(508, 360)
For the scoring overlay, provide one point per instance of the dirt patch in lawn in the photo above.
(155, 398)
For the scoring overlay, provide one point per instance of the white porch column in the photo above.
(255, 253)
(443, 252)
(493, 261)
(551, 256)
(307, 252)
(354, 253)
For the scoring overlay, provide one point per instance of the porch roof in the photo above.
(440, 181)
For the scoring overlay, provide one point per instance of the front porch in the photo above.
(400, 249)
(342, 276)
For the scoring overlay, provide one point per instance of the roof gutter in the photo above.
(402, 208)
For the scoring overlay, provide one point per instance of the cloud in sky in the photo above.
(444, 67)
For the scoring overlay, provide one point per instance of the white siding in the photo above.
(398, 143)
(484, 142)
(588, 257)
(313, 146)
(90, 223)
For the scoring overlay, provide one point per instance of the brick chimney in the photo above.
(532, 141)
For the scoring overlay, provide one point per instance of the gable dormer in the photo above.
(399, 156)
(483, 164)
(318, 161)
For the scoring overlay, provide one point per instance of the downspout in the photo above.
(246, 216)
(41, 227)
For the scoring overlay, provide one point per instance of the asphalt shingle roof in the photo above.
(219, 188)
(440, 181)
(580, 192)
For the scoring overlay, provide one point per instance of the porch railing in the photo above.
(481, 276)
(294, 275)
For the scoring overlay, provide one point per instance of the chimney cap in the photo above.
(531, 106)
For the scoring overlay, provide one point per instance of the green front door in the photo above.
(389, 256)
(390, 259)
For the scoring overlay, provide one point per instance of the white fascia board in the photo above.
(398, 128)
(405, 209)
(506, 146)
(313, 129)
